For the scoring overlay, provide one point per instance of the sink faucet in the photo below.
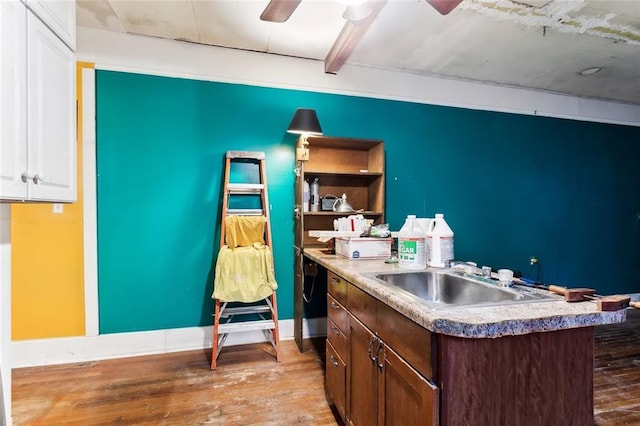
(469, 268)
(472, 269)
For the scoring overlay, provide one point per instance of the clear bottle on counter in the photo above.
(305, 196)
(315, 195)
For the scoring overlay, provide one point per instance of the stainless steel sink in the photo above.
(448, 289)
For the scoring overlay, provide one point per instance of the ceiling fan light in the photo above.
(356, 13)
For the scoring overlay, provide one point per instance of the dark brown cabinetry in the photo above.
(482, 382)
(336, 379)
(409, 399)
(354, 167)
(379, 386)
(535, 379)
(384, 368)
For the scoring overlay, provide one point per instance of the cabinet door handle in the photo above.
(378, 350)
(25, 177)
(335, 280)
(335, 305)
(372, 357)
(335, 330)
(37, 179)
(333, 361)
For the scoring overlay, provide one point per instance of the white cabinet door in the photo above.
(13, 101)
(59, 15)
(51, 115)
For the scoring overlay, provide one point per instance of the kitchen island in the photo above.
(394, 360)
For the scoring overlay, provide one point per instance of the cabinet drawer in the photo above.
(362, 306)
(337, 287)
(336, 313)
(337, 338)
(336, 379)
(408, 339)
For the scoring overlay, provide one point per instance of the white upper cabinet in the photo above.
(50, 115)
(13, 102)
(60, 16)
(38, 117)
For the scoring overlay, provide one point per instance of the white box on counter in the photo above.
(363, 247)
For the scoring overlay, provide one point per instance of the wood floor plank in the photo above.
(250, 388)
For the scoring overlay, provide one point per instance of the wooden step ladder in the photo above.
(267, 309)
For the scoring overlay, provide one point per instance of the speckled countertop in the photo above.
(471, 322)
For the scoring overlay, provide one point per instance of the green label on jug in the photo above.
(408, 249)
(411, 253)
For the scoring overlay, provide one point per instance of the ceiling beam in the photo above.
(349, 37)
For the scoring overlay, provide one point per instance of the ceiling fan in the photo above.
(281, 10)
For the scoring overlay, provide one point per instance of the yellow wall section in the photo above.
(47, 262)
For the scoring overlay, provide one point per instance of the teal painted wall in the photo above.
(510, 186)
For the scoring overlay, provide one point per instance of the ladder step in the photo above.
(251, 155)
(246, 326)
(244, 310)
(245, 212)
(245, 188)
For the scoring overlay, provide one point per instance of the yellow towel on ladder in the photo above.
(243, 231)
(244, 274)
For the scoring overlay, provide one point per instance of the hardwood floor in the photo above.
(617, 373)
(250, 388)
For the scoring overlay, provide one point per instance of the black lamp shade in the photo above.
(305, 121)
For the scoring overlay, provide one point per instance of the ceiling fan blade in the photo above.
(444, 6)
(279, 10)
(350, 36)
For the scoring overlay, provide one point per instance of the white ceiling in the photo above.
(495, 41)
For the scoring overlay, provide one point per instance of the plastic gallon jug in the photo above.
(439, 243)
(315, 195)
(305, 196)
(425, 222)
(412, 252)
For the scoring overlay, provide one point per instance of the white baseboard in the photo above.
(31, 353)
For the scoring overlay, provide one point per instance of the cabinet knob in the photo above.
(335, 330)
(25, 177)
(37, 179)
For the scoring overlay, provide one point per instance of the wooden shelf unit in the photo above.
(343, 166)
(354, 167)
